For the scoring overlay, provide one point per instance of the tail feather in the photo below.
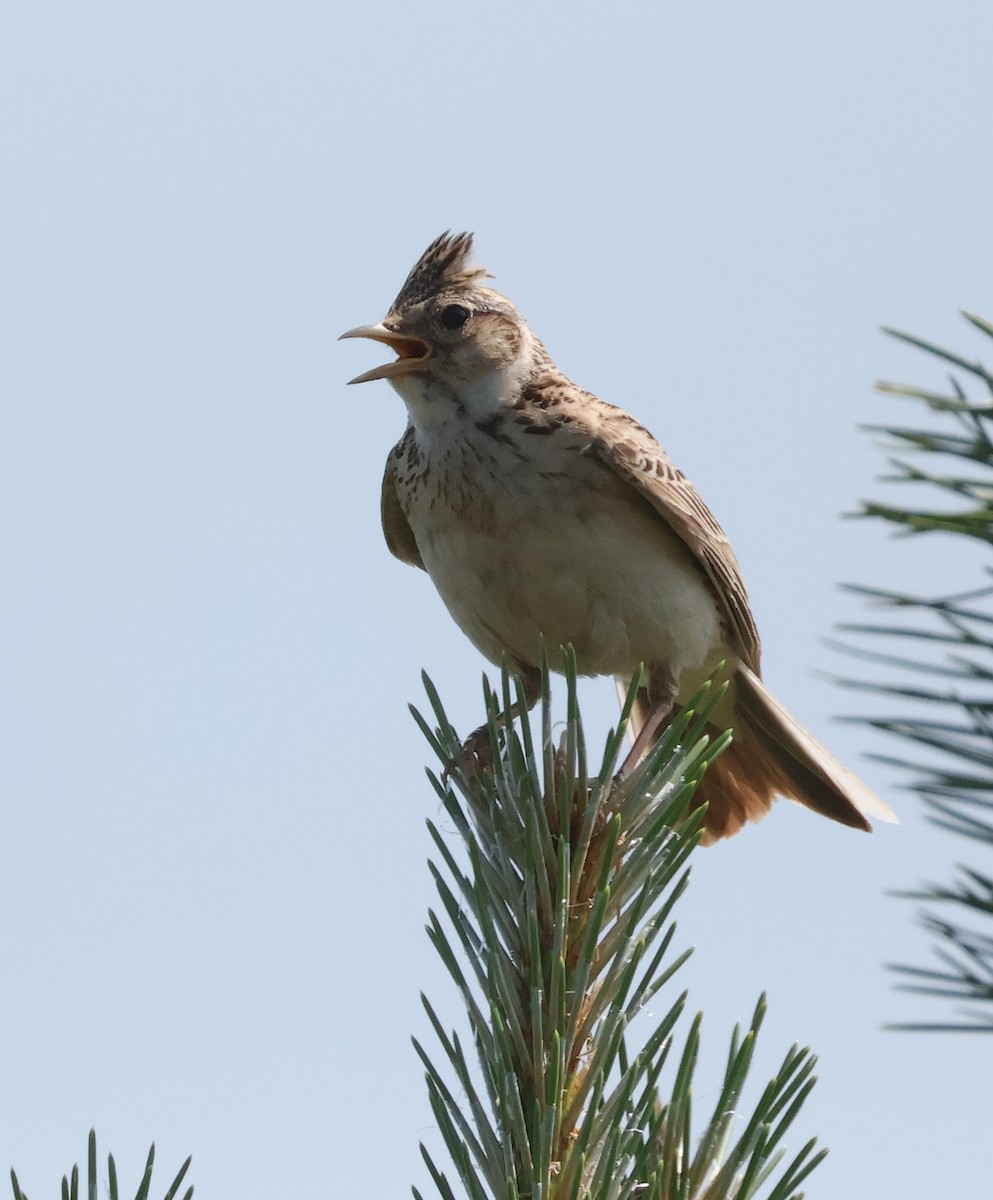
(817, 779)
(773, 755)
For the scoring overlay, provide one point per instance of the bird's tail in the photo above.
(773, 755)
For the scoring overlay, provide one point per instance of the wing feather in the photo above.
(396, 528)
(624, 446)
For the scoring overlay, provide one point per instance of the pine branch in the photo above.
(952, 637)
(556, 928)
(70, 1182)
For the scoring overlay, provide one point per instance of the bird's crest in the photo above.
(442, 265)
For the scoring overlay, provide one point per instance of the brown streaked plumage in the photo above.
(540, 510)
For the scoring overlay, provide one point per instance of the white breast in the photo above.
(528, 539)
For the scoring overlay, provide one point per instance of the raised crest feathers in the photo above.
(442, 265)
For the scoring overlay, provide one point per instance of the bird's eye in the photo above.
(454, 316)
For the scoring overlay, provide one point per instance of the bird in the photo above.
(545, 515)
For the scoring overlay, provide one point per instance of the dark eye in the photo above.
(454, 316)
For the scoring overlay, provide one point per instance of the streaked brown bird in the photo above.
(540, 509)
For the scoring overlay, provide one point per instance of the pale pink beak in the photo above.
(412, 351)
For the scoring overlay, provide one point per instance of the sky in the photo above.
(213, 797)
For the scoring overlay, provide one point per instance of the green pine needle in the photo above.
(556, 928)
(950, 722)
(70, 1182)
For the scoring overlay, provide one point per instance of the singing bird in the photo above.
(540, 510)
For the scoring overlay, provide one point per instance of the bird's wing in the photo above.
(628, 449)
(396, 528)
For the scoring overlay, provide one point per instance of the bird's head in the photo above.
(446, 327)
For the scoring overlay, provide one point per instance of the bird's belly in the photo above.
(600, 571)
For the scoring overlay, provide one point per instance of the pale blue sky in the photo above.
(213, 798)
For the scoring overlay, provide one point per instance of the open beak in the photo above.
(411, 351)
